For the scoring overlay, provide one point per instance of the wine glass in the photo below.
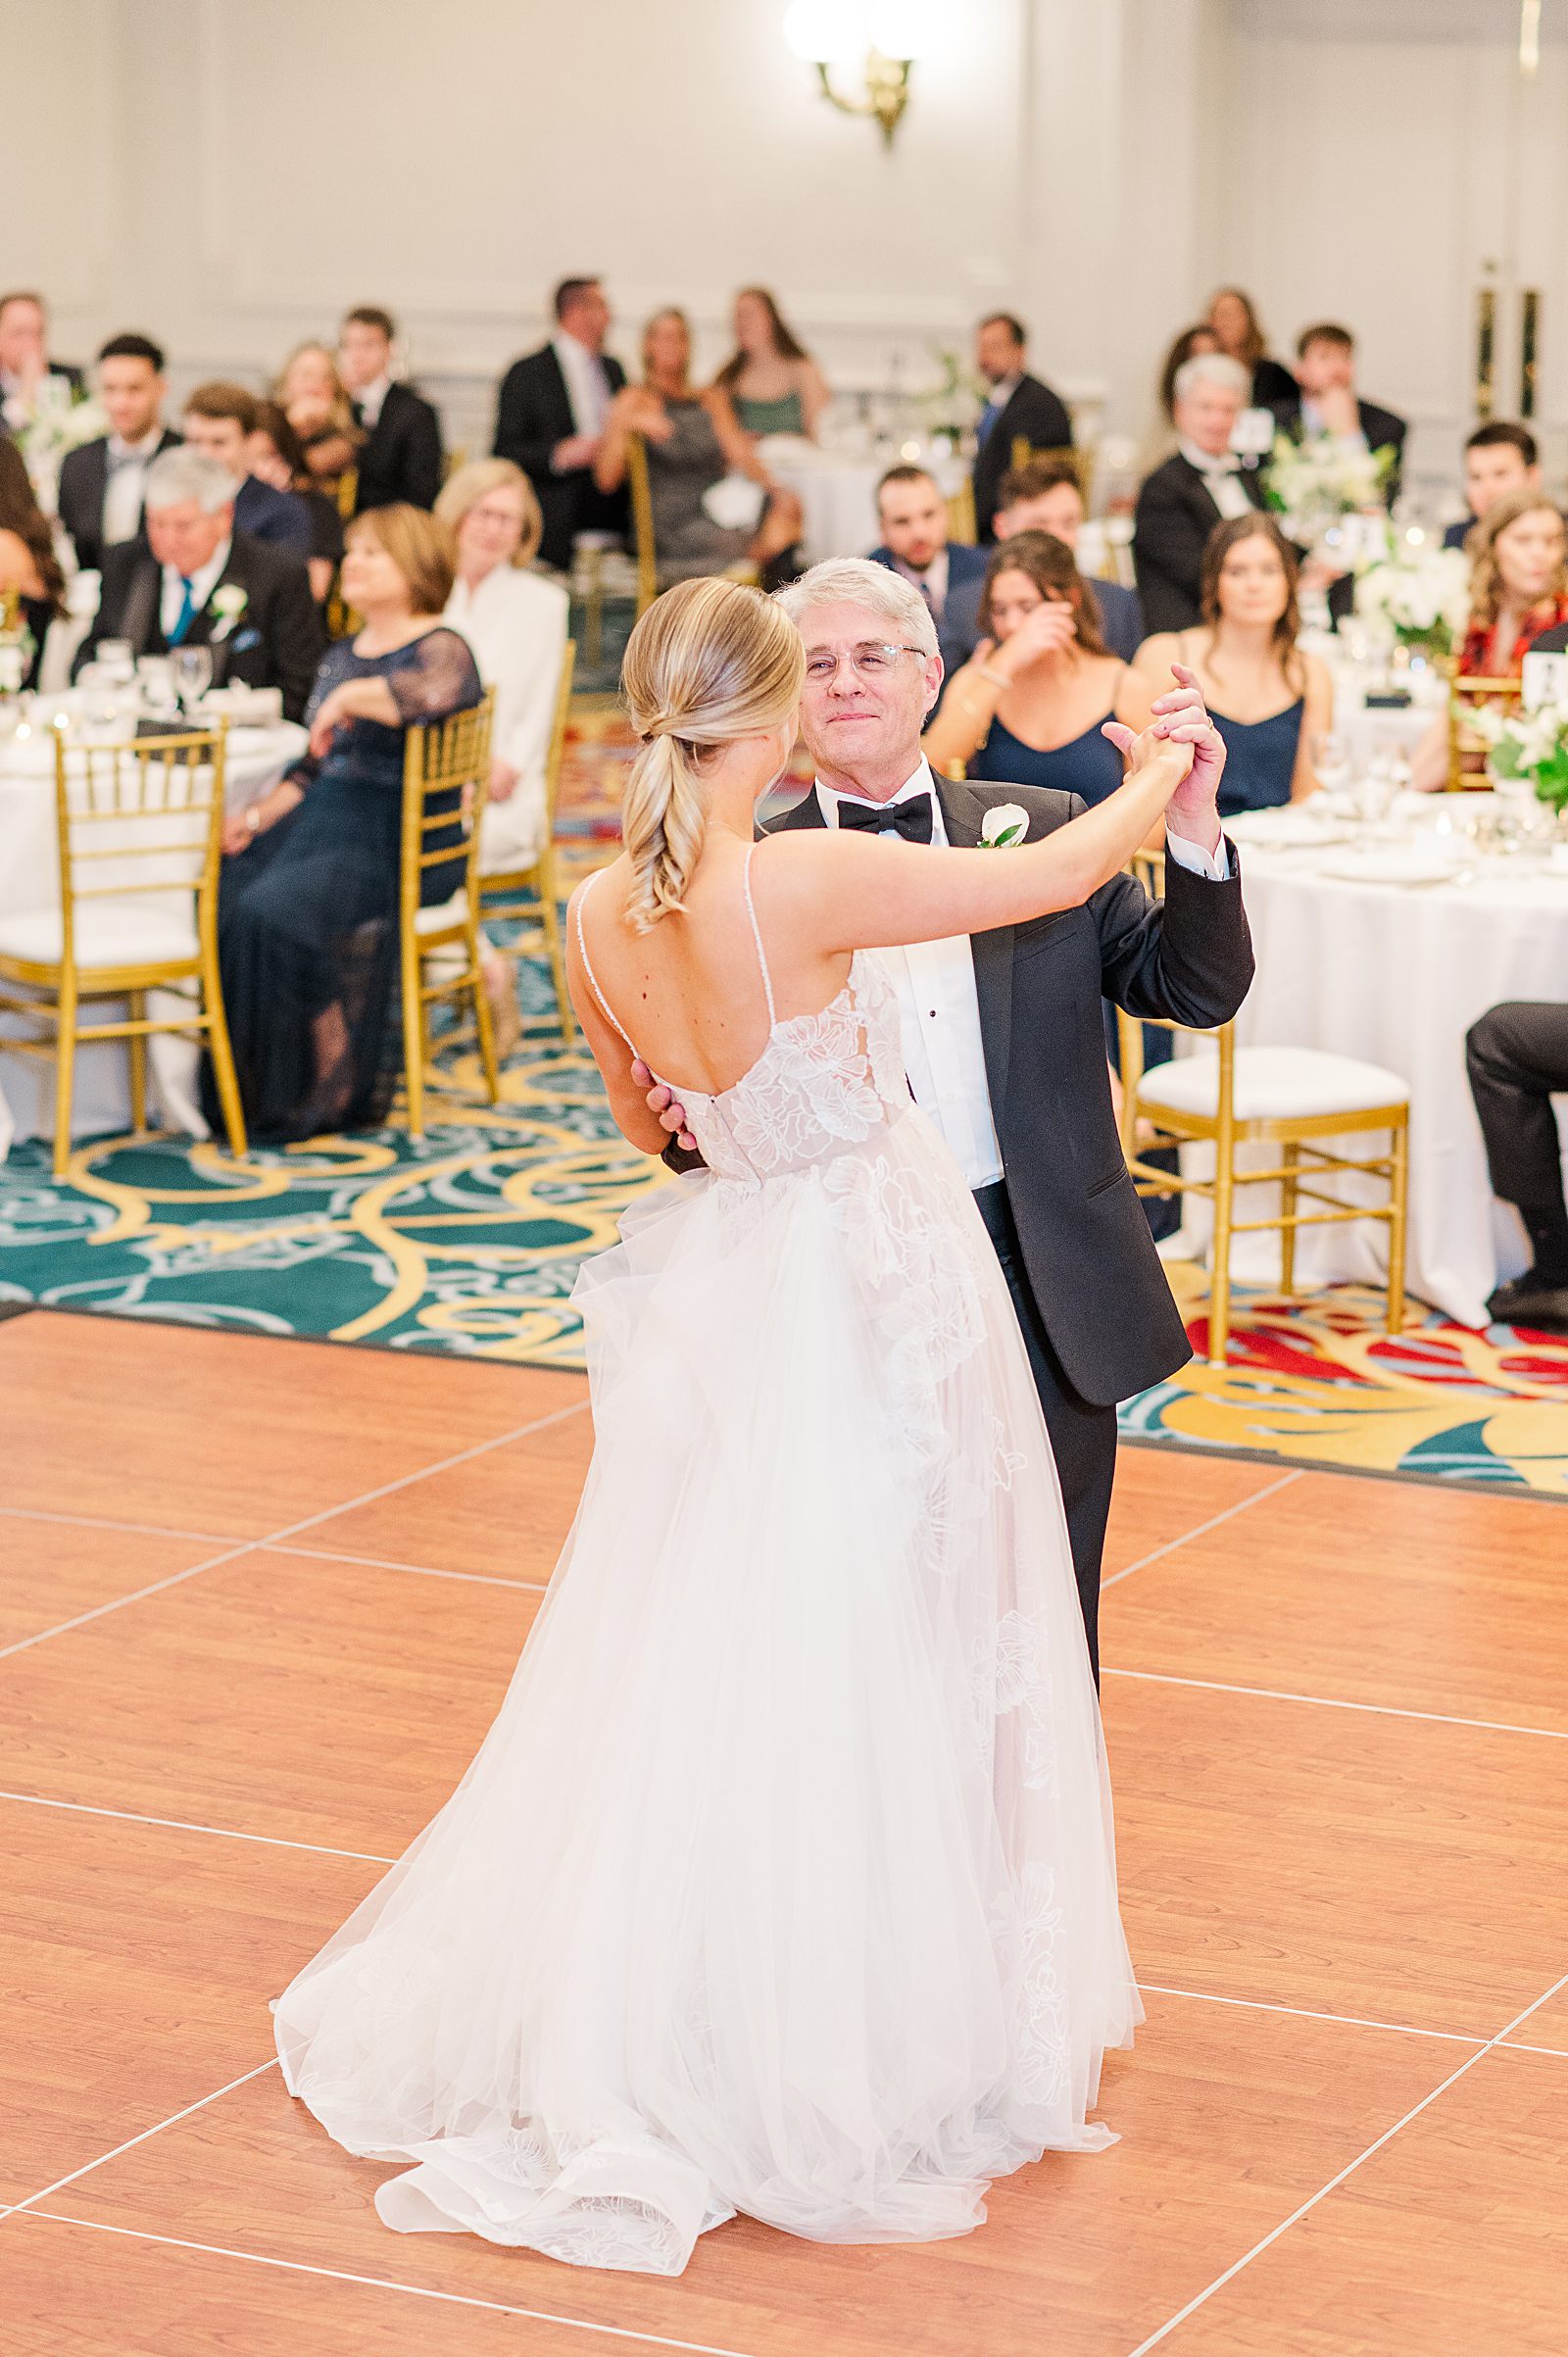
(1331, 760)
(193, 675)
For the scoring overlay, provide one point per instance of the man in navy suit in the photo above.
(1020, 409)
(220, 418)
(550, 420)
(1499, 459)
(102, 482)
(913, 515)
(1041, 497)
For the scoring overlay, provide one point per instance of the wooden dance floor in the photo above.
(258, 1601)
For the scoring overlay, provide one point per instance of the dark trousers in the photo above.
(1517, 1057)
(1083, 1437)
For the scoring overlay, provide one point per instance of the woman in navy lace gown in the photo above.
(308, 911)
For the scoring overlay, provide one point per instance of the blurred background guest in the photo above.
(197, 581)
(400, 457)
(693, 441)
(1324, 399)
(772, 381)
(1234, 320)
(1499, 459)
(1199, 486)
(30, 570)
(1041, 497)
(1517, 1059)
(29, 376)
(101, 482)
(315, 401)
(914, 516)
(1191, 344)
(1518, 601)
(1019, 409)
(550, 416)
(1027, 708)
(308, 907)
(275, 456)
(1267, 699)
(221, 418)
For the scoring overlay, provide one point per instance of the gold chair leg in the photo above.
(413, 1037)
(550, 918)
(1398, 1207)
(136, 1008)
(64, 1076)
(594, 610)
(1290, 1157)
(484, 1021)
(1219, 1288)
(221, 1048)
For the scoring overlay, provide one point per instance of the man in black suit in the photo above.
(1043, 497)
(1004, 1034)
(1517, 1058)
(28, 375)
(220, 418)
(401, 455)
(1199, 486)
(1325, 401)
(913, 515)
(1499, 459)
(101, 483)
(550, 420)
(1020, 409)
(195, 581)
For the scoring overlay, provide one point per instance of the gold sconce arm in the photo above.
(887, 91)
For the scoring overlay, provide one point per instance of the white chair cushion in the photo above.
(1272, 1084)
(107, 933)
(442, 915)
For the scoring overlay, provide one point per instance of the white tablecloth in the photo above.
(29, 878)
(1396, 975)
(837, 490)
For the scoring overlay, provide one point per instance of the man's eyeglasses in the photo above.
(871, 661)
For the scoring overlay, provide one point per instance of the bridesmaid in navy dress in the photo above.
(1267, 697)
(308, 922)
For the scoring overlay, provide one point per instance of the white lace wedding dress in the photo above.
(784, 1882)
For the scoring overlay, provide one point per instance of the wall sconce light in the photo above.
(880, 38)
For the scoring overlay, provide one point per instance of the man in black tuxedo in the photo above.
(1325, 401)
(550, 421)
(27, 371)
(194, 582)
(1020, 409)
(102, 482)
(220, 418)
(1004, 1035)
(1517, 1059)
(1199, 486)
(914, 544)
(400, 459)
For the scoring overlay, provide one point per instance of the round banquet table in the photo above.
(29, 878)
(1395, 972)
(837, 491)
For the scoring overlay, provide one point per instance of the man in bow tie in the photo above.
(1201, 485)
(1004, 1039)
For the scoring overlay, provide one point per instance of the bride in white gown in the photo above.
(784, 1882)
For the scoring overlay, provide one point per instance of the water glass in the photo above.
(117, 660)
(1331, 760)
(192, 668)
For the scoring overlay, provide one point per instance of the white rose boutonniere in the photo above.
(1002, 828)
(229, 602)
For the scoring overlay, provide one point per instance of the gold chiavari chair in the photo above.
(446, 767)
(1065, 454)
(641, 530)
(139, 830)
(539, 883)
(960, 514)
(1291, 1098)
(1467, 691)
(348, 492)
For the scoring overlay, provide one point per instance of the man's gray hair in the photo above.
(181, 474)
(857, 581)
(1212, 368)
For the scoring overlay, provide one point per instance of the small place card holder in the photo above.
(1252, 435)
(1545, 680)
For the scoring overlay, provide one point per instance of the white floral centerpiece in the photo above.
(58, 423)
(1530, 749)
(1311, 484)
(1420, 596)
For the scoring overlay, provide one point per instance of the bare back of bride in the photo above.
(784, 1882)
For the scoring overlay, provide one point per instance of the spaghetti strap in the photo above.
(588, 966)
(757, 936)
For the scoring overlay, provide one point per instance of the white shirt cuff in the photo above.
(1214, 865)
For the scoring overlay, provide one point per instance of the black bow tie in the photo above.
(911, 818)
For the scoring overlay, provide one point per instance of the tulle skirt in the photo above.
(784, 1882)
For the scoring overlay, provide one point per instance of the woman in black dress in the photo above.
(308, 909)
(276, 455)
(28, 566)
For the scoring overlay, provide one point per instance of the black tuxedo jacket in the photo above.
(1171, 524)
(1091, 1261)
(533, 415)
(277, 641)
(401, 458)
(1037, 415)
(84, 480)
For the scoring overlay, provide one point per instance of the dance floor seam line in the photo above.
(105, 1522)
(21, 2208)
(375, 2283)
(189, 1825)
(1339, 2179)
(1387, 1710)
(1199, 1530)
(423, 1571)
(1310, 2013)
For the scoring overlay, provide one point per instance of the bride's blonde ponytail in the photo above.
(710, 662)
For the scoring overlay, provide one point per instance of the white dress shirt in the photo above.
(202, 584)
(932, 583)
(515, 623)
(1312, 423)
(370, 398)
(1222, 475)
(587, 385)
(128, 462)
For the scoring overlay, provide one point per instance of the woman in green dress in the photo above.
(773, 384)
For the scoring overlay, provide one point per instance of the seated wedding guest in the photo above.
(28, 375)
(1019, 409)
(308, 906)
(275, 454)
(1237, 329)
(1517, 1058)
(692, 442)
(516, 621)
(1043, 497)
(1028, 709)
(550, 420)
(772, 381)
(1198, 487)
(219, 420)
(1518, 602)
(1267, 699)
(30, 570)
(195, 580)
(101, 482)
(400, 458)
(1191, 344)
(1324, 400)
(315, 401)
(1499, 459)
(914, 516)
